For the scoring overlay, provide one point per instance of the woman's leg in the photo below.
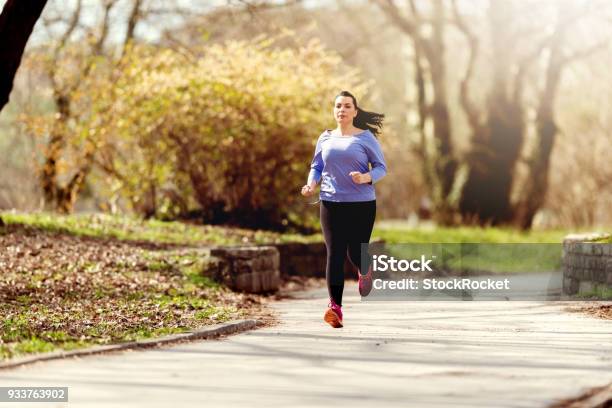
(335, 235)
(362, 215)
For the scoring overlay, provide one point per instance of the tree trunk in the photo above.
(485, 197)
(534, 192)
(58, 197)
(441, 164)
(496, 147)
(16, 24)
(446, 165)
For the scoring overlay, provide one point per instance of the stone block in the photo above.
(217, 269)
(303, 259)
(570, 286)
(584, 287)
(243, 252)
(307, 265)
(599, 276)
(309, 259)
(257, 282)
(252, 269)
(601, 263)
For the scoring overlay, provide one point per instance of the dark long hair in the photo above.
(364, 119)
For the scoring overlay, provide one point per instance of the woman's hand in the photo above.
(360, 178)
(308, 190)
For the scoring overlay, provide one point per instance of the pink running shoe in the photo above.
(333, 315)
(365, 282)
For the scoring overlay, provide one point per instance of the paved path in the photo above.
(405, 354)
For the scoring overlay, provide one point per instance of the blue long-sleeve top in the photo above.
(336, 156)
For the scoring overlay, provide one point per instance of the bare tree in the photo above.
(62, 190)
(16, 24)
(58, 195)
(61, 196)
(440, 164)
(479, 187)
(534, 192)
(497, 142)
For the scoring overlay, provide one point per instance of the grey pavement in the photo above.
(404, 354)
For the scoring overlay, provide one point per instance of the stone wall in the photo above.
(307, 259)
(260, 269)
(251, 269)
(587, 266)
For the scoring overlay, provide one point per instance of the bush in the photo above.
(228, 130)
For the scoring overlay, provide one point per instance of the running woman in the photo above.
(341, 163)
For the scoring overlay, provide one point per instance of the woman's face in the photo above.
(344, 110)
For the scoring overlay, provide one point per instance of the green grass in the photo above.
(133, 229)
(21, 336)
(33, 345)
(172, 232)
(488, 256)
(36, 345)
(398, 233)
(599, 293)
(483, 258)
(147, 333)
(142, 294)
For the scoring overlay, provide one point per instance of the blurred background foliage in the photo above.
(226, 129)
(497, 112)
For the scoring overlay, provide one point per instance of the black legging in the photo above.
(346, 225)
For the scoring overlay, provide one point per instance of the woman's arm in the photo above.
(376, 158)
(316, 170)
(316, 166)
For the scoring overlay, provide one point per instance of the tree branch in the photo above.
(135, 16)
(72, 25)
(410, 27)
(16, 24)
(108, 5)
(523, 67)
(464, 91)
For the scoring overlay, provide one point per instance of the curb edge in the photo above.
(211, 332)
